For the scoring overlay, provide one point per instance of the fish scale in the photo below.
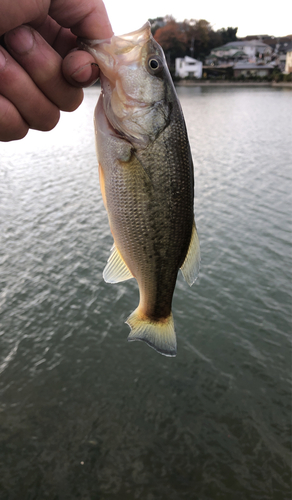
(147, 182)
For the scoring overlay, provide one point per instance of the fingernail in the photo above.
(20, 40)
(2, 60)
(82, 74)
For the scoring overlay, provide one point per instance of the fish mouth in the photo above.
(139, 34)
(123, 42)
(125, 48)
(122, 61)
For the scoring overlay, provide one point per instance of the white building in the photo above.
(235, 50)
(187, 66)
(288, 64)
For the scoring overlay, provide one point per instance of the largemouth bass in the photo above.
(146, 179)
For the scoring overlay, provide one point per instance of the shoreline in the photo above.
(227, 83)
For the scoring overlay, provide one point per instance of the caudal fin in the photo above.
(157, 334)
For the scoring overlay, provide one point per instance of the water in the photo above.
(86, 415)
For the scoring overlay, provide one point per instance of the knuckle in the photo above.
(49, 120)
(12, 126)
(13, 134)
(20, 133)
(73, 102)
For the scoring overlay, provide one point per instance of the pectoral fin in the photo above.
(116, 269)
(191, 265)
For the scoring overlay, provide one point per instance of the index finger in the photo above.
(85, 18)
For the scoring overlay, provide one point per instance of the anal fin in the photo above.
(116, 269)
(191, 265)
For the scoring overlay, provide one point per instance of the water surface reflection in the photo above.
(86, 415)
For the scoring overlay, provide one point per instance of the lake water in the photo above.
(86, 415)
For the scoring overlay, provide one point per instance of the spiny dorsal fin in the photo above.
(191, 265)
(116, 269)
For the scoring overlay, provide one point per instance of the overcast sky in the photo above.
(252, 17)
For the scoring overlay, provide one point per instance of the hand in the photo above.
(39, 73)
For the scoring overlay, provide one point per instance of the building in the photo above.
(219, 71)
(188, 67)
(288, 63)
(240, 50)
(247, 69)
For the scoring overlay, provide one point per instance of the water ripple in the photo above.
(84, 414)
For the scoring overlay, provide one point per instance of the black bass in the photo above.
(146, 179)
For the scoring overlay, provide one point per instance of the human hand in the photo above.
(39, 73)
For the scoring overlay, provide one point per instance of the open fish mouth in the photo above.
(128, 46)
(131, 97)
(124, 42)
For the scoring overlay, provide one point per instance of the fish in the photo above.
(146, 179)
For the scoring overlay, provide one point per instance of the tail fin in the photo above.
(157, 334)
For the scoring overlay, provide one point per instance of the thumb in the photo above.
(80, 69)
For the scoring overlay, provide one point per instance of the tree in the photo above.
(172, 39)
(195, 38)
(156, 23)
(228, 35)
(198, 37)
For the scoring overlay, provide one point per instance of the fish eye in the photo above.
(155, 65)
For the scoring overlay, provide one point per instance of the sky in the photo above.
(252, 17)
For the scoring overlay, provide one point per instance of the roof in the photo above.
(219, 66)
(190, 59)
(224, 48)
(243, 65)
(239, 53)
(187, 59)
(248, 43)
(238, 45)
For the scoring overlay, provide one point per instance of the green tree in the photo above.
(228, 35)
